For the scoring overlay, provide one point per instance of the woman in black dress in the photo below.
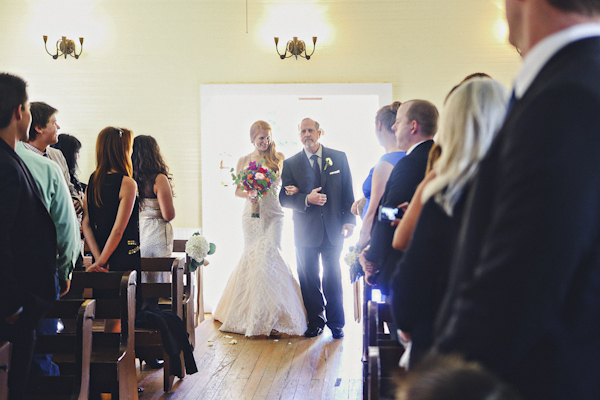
(110, 210)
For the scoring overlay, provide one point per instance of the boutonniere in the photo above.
(328, 163)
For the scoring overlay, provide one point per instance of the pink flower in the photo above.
(259, 176)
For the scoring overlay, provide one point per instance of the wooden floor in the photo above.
(266, 368)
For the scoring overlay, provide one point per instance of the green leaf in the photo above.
(213, 248)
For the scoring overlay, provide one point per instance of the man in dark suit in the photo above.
(322, 219)
(415, 126)
(524, 287)
(27, 239)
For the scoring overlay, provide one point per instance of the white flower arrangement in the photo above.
(350, 258)
(197, 247)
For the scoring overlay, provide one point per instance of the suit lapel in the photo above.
(324, 174)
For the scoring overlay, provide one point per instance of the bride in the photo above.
(262, 297)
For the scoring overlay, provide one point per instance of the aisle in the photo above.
(266, 368)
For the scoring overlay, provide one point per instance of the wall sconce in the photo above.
(296, 47)
(64, 47)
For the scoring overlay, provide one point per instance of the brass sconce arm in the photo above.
(295, 48)
(64, 47)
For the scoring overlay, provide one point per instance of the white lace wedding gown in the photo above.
(262, 294)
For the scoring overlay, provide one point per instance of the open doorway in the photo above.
(346, 113)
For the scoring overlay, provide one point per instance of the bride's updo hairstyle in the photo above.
(273, 160)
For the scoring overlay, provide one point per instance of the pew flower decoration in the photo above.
(328, 163)
(197, 247)
(256, 180)
(351, 259)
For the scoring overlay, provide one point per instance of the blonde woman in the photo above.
(262, 297)
(471, 118)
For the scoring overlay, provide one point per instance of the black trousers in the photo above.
(323, 299)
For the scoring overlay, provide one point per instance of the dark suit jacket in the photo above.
(400, 187)
(27, 243)
(419, 284)
(524, 289)
(336, 182)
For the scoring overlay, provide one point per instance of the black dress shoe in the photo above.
(154, 363)
(313, 332)
(337, 333)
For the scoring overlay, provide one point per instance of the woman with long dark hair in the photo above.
(70, 146)
(153, 178)
(110, 208)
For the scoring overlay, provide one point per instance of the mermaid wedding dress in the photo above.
(262, 294)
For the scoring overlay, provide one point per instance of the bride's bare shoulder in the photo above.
(281, 156)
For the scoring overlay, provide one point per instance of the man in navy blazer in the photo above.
(524, 287)
(27, 239)
(415, 126)
(322, 219)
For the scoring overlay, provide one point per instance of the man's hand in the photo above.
(15, 317)
(354, 208)
(65, 286)
(369, 267)
(347, 230)
(316, 198)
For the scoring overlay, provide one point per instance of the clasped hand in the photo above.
(316, 198)
(95, 267)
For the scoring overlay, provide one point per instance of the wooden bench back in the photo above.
(4, 366)
(172, 289)
(76, 346)
(121, 306)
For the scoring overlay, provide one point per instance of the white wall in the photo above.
(144, 60)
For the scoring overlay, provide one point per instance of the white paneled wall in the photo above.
(144, 60)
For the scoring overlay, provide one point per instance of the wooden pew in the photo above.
(378, 314)
(4, 367)
(76, 345)
(112, 367)
(383, 353)
(148, 342)
(383, 372)
(193, 302)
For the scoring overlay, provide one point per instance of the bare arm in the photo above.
(405, 228)
(381, 174)
(164, 194)
(87, 229)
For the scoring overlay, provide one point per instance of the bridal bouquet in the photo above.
(197, 247)
(256, 180)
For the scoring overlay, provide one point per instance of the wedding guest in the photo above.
(374, 186)
(471, 118)
(27, 278)
(415, 126)
(43, 133)
(110, 207)
(524, 295)
(452, 377)
(55, 193)
(153, 178)
(262, 297)
(70, 146)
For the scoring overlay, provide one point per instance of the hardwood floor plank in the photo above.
(261, 368)
(282, 376)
